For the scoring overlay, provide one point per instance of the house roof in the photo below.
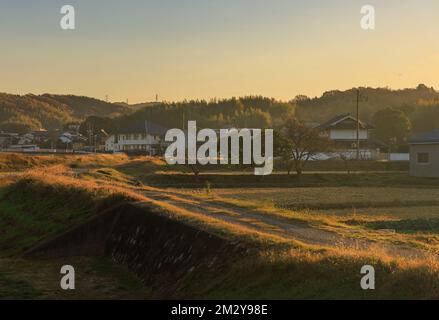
(143, 127)
(338, 121)
(428, 137)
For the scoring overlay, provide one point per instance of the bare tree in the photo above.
(284, 149)
(304, 143)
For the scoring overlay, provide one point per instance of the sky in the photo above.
(203, 49)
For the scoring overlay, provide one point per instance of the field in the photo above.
(309, 236)
(344, 200)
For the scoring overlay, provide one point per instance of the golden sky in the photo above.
(183, 49)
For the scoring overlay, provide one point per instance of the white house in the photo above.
(342, 130)
(143, 137)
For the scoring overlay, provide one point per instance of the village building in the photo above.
(342, 131)
(40, 136)
(22, 148)
(72, 127)
(8, 139)
(424, 155)
(76, 141)
(143, 137)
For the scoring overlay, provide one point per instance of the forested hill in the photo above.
(248, 112)
(420, 104)
(21, 113)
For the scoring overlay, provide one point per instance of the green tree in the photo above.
(392, 126)
(253, 118)
(425, 118)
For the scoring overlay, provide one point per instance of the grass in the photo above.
(289, 203)
(324, 198)
(41, 202)
(409, 226)
(109, 175)
(355, 166)
(20, 162)
(415, 231)
(316, 275)
(96, 278)
(13, 288)
(230, 180)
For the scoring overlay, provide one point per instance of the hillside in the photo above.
(20, 113)
(421, 104)
(137, 106)
(185, 244)
(249, 112)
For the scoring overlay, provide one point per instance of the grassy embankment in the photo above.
(39, 204)
(13, 162)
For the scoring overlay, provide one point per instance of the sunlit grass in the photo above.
(18, 162)
(58, 195)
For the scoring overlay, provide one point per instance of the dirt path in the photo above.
(282, 227)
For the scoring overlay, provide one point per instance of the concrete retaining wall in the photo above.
(158, 249)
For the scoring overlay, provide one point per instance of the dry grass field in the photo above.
(413, 202)
(304, 233)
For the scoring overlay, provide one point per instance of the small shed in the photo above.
(424, 155)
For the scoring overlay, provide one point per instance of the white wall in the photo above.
(348, 155)
(110, 145)
(399, 157)
(430, 169)
(127, 140)
(336, 134)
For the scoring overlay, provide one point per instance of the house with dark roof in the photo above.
(342, 131)
(424, 155)
(142, 137)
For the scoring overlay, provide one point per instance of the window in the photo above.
(423, 158)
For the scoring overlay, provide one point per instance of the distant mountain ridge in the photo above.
(333, 103)
(49, 111)
(137, 106)
(420, 104)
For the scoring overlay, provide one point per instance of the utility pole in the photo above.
(359, 99)
(358, 124)
(90, 130)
